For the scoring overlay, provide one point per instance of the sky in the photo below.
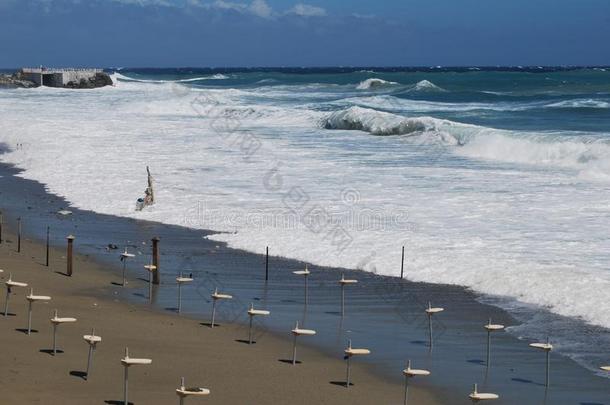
(247, 33)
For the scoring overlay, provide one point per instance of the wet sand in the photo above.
(236, 373)
(383, 313)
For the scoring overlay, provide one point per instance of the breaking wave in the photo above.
(374, 83)
(118, 76)
(581, 103)
(588, 153)
(585, 153)
(399, 104)
(372, 121)
(383, 123)
(426, 86)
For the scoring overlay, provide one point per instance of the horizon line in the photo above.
(361, 67)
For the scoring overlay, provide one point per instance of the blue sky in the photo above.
(217, 33)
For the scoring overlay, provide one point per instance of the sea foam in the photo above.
(374, 83)
(511, 213)
(426, 86)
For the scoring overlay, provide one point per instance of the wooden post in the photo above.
(19, 235)
(69, 267)
(47, 261)
(402, 264)
(267, 265)
(155, 259)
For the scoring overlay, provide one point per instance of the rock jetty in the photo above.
(64, 78)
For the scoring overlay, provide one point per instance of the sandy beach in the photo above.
(383, 314)
(236, 373)
(411, 197)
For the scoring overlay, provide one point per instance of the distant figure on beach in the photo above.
(149, 194)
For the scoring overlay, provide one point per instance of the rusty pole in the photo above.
(19, 235)
(70, 239)
(155, 259)
(267, 264)
(402, 264)
(48, 231)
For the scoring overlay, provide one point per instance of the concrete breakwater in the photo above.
(66, 78)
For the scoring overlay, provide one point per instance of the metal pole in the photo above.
(294, 351)
(213, 312)
(406, 389)
(90, 360)
(1, 220)
(306, 295)
(126, 386)
(48, 231)
(267, 265)
(150, 283)
(180, 297)
(29, 317)
(430, 329)
(474, 401)
(342, 300)
(548, 366)
(488, 347)
(19, 235)
(124, 266)
(182, 387)
(402, 263)
(348, 371)
(54, 339)
(8, 294)
(250, 331)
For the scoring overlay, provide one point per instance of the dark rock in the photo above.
(15, 81)
(100, 79)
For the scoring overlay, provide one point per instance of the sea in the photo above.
(495, 179)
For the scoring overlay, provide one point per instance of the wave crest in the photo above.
(118, 76)
(588, 103)
(374, 83)
(577, 152)
(586, 153)
(383, 123)
(426, 86)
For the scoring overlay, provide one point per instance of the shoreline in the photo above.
(178, 346)
(396, 292)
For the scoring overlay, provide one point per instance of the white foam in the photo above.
(118, 76)
(383, 123)
(426, 86)
(502, 212)
(543, 149)
(374, 83)
(397, 104)
(580, 103)
(217, 76)
(587, 153)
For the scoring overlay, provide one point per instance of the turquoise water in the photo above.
(551, 100)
